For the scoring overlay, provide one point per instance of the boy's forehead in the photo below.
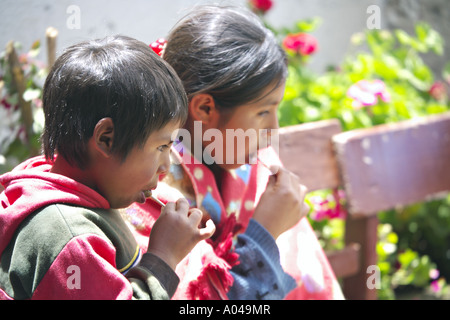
(166, 133)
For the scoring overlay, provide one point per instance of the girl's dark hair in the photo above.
(225, 52)
(117, 77)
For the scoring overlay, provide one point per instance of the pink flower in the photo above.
(434, 274)
(436, 286)
(158, 46)
(365, 93)
(301, 43)
(438, 91)
(261, 5)
(329, 208)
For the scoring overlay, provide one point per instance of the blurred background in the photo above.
(147, 20)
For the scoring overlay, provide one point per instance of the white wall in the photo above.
(26, 20)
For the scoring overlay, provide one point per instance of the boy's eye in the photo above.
(263, 113)
(163, 147)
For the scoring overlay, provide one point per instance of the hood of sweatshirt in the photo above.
(31, 186)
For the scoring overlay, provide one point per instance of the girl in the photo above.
(234, 72)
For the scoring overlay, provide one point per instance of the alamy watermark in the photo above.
(74, 280)
(374, 19)
(74, 19)
(374, 279)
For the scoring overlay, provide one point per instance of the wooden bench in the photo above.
(387, 167)
(380, 168)
(307, 150)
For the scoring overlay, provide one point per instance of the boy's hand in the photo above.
(282, 204)
(177, 231)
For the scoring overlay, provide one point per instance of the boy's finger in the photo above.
(208, 230)
(182, 205)
(195, 215)
(170, 206)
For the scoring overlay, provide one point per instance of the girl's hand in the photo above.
(282, 204)
(177, 231)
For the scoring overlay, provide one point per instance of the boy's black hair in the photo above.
(117, 77)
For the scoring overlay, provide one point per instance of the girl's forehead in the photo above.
(269, 96)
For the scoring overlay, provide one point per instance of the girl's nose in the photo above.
(274, 122)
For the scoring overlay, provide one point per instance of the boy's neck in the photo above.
(62, 167)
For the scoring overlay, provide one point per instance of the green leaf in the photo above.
(387, 66)
(430, 37)
(309, 25)
(312, 113)
(446, 73)
(405, 39)
(407, 257)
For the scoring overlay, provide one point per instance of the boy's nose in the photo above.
(165, 165)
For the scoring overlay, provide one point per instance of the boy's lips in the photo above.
(145, 193)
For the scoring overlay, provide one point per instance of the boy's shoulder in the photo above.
(46, 233)
(64, 221)
(49, 229)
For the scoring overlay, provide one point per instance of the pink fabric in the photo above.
(98, 278)
(31, 186)
(300, 252)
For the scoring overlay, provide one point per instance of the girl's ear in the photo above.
(202, 107)
(104, 136)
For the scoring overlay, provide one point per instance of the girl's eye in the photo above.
(263, 113)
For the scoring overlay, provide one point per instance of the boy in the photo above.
(111, 107)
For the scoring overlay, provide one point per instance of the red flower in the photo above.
(261, 5)
(301, 43)
(438, 91)
(6, 104)
(158, 46)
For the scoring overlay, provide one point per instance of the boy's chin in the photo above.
(122, 204)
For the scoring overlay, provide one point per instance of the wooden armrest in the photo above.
(345, 262)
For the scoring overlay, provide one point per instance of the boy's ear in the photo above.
(202, 107)
(103, 136)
